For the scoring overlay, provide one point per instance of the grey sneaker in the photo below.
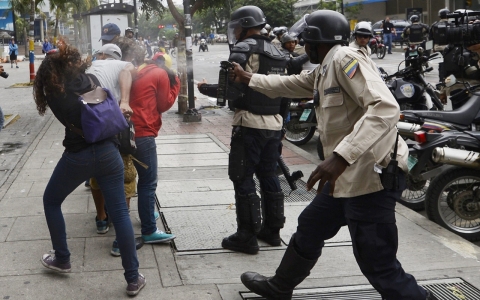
(50, 261)
(134, 288)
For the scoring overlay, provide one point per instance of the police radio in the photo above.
(222, 91)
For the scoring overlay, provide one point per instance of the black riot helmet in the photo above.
(322, 27)
(245, 17)
(414, 19)
(442, 14)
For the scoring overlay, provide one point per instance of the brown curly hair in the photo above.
(57, 69)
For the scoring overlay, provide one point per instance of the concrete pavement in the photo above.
(197, 205)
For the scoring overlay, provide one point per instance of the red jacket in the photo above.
(150, 96)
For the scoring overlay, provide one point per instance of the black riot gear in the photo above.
(323, 26)
(272, 61)
(416, 33)
(245, 17)
(414, 19)
(442, 14)
(249, 16)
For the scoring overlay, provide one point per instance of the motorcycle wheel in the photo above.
(381, 52)
(413, 196)
(452, 202)
(298, 136)
(173, 53)
(320, 153)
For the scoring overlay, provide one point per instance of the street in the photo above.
(197, 204)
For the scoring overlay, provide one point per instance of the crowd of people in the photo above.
(356, 113)
(145, 89)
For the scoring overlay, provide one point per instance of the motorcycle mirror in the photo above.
(450, 81)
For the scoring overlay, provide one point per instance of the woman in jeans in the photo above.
(59, 80)
(153, 92)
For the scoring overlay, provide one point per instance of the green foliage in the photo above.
(278, 12)
(351, 12)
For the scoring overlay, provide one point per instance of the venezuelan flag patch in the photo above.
(350, 68)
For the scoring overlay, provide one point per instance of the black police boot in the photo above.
(292, 271)
(249, 220)
(274, 218)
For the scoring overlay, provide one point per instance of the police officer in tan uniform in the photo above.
(357, 115)
(256, 135)
(363, 33)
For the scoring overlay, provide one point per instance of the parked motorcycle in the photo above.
(453, 196)
(409, 87)
(446, 123)
(203, 45)
(377, 46)
(301, 122)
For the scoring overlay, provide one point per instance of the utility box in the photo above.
(117, 13)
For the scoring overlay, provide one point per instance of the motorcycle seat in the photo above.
(462, 116)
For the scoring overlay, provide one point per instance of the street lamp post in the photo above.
(191, 115)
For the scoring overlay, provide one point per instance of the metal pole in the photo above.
(135, 17)
(31, 34)
(191, 115)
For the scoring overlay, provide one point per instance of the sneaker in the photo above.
(116, 251)
(157, 215)
(102, 226)
(134, 288)
(50, 261)
(17, 67)
(157, 237)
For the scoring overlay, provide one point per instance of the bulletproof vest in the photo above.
(439, 30)
(272, 61)
(461, 64)
(416, 33)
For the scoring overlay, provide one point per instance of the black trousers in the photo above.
(371, 221)
(260, 148)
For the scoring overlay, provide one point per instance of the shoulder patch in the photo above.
(350, 67)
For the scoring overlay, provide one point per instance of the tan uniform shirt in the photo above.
(277, 43)
(248, 119)
(367, 49)
(356, 117)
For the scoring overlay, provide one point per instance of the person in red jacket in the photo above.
(153, 92)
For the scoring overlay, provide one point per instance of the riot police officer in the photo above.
(295, 60)
(438, 31)
(363, 33)
(256, 135)
(415, 33)
(129, 33)
(279, 32)
(356, 120)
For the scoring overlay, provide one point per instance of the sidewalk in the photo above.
(197, 206)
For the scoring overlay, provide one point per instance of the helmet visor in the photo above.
(234, 27)
(298, 27)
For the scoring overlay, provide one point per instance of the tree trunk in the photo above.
(25, 40)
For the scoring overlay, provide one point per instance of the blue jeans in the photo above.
(102, 161)
(387, 37)
(147, 182)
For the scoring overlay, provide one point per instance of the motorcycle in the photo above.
(203, 45)
(301, 122)
(423, 169)
(377, 46)
(409, 87)
(453, 196)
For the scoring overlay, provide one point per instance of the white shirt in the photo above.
(107, 72)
